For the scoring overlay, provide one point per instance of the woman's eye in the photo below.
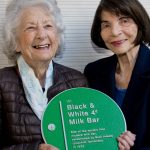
(30, 28)
(125, 21)
(48, 26)
(105, 25)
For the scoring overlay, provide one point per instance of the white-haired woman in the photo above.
(32, 36)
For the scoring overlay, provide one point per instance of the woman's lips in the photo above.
(45, 46)
(118, 43)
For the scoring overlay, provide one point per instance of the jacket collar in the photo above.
(142, 64)
(141, 69)
(57, 73)
(138, 84)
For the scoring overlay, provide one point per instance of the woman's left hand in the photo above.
(46, 147)
(126, 140)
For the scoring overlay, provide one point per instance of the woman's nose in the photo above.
(116, 29)
(41, 33)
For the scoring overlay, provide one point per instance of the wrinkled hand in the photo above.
(46, 147)
(126, 140)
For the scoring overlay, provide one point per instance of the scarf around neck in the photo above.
(33, 90)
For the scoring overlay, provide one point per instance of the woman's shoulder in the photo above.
(8, 73)
(103, 63)
(7, 69)
(65, 69)
(70, 74)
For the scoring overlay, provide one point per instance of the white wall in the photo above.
(78, 17)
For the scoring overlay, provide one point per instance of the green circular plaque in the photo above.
(82, 119)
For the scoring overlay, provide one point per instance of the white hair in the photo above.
(12, 21)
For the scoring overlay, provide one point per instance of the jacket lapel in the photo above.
(107, 79)
(138, 85)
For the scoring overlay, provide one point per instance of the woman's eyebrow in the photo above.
(104, 21)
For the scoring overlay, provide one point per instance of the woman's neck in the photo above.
(127, 60)
(125, 65)
(40, 72)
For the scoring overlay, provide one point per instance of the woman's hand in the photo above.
(126, 140)
(46, 147)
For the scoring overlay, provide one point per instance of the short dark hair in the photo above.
(131, 8)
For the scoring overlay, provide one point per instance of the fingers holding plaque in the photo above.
(82, 118)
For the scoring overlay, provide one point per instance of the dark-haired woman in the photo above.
(123, 26)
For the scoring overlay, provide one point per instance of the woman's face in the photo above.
(118, 32)
(37, 36)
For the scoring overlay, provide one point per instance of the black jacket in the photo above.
(136, 104)
(19, 126)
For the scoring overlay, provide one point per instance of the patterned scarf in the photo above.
(33, 90)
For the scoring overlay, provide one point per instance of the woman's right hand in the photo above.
(126, 140)
(46, 147)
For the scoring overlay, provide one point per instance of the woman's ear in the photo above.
(18, 48)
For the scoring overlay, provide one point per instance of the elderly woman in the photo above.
(123, 26)
(33, 35)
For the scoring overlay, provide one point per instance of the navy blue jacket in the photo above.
(136, 104)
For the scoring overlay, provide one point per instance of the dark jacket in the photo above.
(19, 126)
(136, 104)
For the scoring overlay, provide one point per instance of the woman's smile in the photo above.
(118, 43)
(42, 46)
